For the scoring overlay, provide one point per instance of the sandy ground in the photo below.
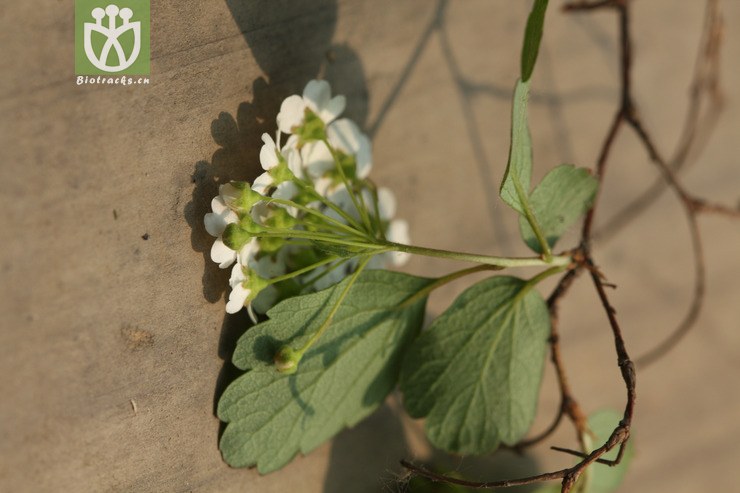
(114, 336)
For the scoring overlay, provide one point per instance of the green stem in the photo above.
(546, 252)
(361, 210)
(321, 237)
(540, 277)
(501, 262)
(331, 205)
(295, 273)
(315, 337)
(441, 281)
(529, 215)
(312, 281)
(314, 212)
(545, 274)
(376, 207)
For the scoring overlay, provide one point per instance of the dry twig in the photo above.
(697, 127)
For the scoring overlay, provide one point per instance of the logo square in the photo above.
(112, 37)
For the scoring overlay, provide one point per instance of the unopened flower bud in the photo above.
(287, 359)
(235, 237)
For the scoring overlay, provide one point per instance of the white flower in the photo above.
(341, 197)
(216, 223)
(316, 159)
(398, 232)
(346, 136)
(269, 159)
(268, 153)
(287, 190)
(307, 159)
(386, 203)
(291, 114)
(229, 194)
(239, 292)
(316, 97)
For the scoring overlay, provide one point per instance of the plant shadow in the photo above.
(300, 50)
(366, 459)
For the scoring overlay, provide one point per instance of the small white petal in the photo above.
(237, 298)
(238, 275)
(268, 153)
(341, 197)
(316, 204)
(260, 212)
(399, 259)
(323, 186)
(344, 135)
(286, 191)
(333, 109)
(316, 95)
(248, 251)
(221, 254)
(386, 203)
(229, 194)
(269, 266)
(368, 199)
(364, 157)
(317, 159)
(218, 205)
(398, 232)
(216, 221)
(214, 224)
(262, 183)
(291, 114)
(291, 143)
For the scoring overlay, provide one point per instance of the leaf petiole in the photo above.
(501, 262)
(287, 358)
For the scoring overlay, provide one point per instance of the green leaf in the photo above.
(532, 38)
(475, 374)
(603, 478)
(341, 379)
(563, 196)
(515, 185)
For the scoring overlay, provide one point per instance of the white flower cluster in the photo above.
(305, 223)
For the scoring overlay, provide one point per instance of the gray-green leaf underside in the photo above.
(563, 196)
(475, 374)
(340, 380)
(515, 185)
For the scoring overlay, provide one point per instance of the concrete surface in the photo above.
(112, 346)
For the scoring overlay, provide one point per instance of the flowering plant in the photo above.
(312, 217)
(309, 240)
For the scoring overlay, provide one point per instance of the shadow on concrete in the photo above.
(291, 42)
(365, 459)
